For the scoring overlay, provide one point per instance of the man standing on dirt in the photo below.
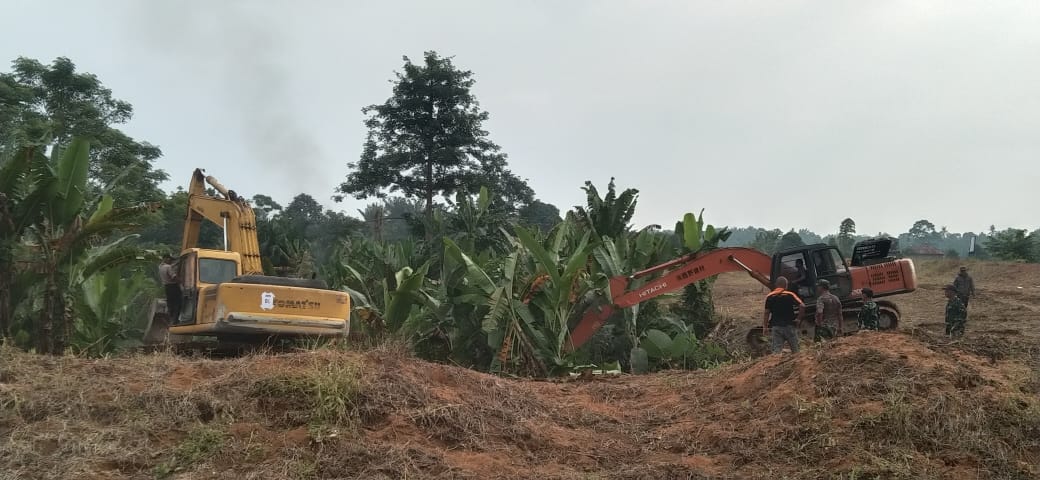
(869, 313)
(956, 313)
(828, 310)
(965, 286)
(780, 319)
(168, 276)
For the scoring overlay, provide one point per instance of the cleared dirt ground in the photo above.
(908, 404)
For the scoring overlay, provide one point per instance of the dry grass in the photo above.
(874, 405)
(854, 408)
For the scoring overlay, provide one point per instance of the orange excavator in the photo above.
(874, 264)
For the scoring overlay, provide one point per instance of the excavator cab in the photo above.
(197, 272)
(804, 266)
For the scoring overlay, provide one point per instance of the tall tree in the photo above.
(427, 140)
(539, 214)
(49, 104)
(265, 206)
(922, 231)
(766, 240)
(790, 239)
(846, 236)
(809, 236)
(303, 215)
(375, 215)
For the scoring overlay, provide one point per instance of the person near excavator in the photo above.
(828, 310)
(956, 313)
(965, 286)
(780, 318)
(869, 314)
(168, 276)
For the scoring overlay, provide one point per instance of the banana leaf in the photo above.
(474, 273)
(406, 295)
(544, 259)
(66, 195)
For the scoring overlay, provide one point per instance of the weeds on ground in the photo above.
(330, 394)
(201, 442)
(995, 435)
(856, 474)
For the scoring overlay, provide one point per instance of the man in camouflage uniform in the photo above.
(956, 313)
(828, 312)
(870, 314)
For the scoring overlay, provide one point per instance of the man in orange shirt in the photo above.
(780, 318)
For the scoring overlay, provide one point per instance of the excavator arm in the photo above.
(231, 213)
(674, 275)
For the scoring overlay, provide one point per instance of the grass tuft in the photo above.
(330, 394)
(200, 444)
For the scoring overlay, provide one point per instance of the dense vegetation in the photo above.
(456, 255)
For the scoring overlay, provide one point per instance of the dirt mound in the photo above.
(874, 404)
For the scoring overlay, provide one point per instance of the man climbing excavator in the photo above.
(224, 293)
(874, 265)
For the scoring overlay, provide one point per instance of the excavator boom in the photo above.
(678, 274)
(231, 213)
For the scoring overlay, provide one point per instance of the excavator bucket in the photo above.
(158, 330)
(596, 313)
(757, 341)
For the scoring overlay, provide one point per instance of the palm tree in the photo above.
(375, 215)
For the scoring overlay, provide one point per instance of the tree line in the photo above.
(1010, 244)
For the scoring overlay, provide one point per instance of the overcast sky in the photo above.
(782, 114)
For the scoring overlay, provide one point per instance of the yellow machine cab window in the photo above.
(216, 270)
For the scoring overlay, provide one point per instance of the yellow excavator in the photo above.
(223, 293)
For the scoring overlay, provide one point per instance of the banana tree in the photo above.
(108, 305)
(674, 347)
(529, 310)
(623, 256)
(627, 254)
(21, 197)
(696, 306)
(384, 281)
(476, 226)
(64, 227)
(609, 215)
(672, 342)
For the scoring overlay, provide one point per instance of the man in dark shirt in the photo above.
(964, 286)
(168, 276)
(780, 318)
